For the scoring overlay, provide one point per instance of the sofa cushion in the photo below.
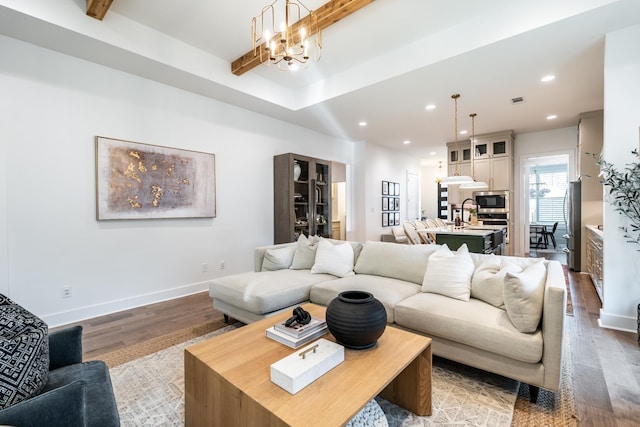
(402, 262)
(473, 323)
(335, 259)
(488, 280)
(266, 291)
(305, 254)
(449, 273)
(524, 295)
(388, 291)
(24, 353)
(278, 258)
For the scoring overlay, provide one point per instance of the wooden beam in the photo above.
(328, 14)
(98, 8)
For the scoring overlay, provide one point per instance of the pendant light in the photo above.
(456, 178)
(475, 185)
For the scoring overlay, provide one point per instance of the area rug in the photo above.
(150, 391)
(149, 387)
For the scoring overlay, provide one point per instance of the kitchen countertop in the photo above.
(469, 230)
(596, 230)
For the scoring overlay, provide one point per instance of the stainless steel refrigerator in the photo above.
(572, 215)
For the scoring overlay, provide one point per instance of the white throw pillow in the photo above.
(278, 258)
(305, 254)
(334, 259)
(524, 296)
(449, 273)
(487, 283)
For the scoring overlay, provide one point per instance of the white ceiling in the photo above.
(383, 64)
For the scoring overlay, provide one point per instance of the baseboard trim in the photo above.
(88, 312)
(619, 323)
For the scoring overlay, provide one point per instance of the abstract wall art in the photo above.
(142, 181)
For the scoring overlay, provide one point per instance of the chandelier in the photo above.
(476, 185)
(297, 40)
(456, 178)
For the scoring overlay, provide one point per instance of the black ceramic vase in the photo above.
(356, 319)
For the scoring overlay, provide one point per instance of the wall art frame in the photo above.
(143, 181)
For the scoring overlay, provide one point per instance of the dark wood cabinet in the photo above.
(301, 197)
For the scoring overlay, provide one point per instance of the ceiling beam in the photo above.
(327, 14)
(98, 8)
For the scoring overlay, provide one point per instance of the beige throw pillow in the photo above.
(449, 273)
(524, 296)
(487, 283)
(305, 255)
(278, 258)
(334, 259)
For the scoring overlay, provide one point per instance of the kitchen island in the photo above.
(479, 238)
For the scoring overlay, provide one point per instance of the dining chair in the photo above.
(546, 234)
(412, 235)
(440, 222)
(431, 223)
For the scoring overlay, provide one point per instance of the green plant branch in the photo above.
(624, 192)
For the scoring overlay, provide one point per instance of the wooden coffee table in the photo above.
(228, 382)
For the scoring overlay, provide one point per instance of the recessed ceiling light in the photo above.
(548, 78)
(433, 153)
(430, 107)
(406, 141)
(552, 117)
(463, 132)
(363, 123)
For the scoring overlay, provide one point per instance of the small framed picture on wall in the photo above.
(385, 188)
(396, 204)
(396, 189)
(385, 203)
(396, 218)
(385, 219)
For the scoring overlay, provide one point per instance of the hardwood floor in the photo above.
(606, 363)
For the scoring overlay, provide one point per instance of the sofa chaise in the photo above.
(501, 314)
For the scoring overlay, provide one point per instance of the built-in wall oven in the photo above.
(493, 208)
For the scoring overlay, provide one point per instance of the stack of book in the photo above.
(296, 335)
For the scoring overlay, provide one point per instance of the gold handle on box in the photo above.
(312, 349)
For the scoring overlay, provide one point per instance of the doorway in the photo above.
(338, 201)
(546, 180)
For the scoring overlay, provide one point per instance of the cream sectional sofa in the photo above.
(481, 326)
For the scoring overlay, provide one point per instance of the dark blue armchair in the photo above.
(76, 393)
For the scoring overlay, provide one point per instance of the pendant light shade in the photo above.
(456, 178)
(475, 185)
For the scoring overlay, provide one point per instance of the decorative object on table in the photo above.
(473, 220)
(298, 330)
(297, 170)
(356, 319)
(293, 342)
(298, 370)
(142, 181)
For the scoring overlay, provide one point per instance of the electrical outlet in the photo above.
(221, 265)
(205, 267)
(66, 292)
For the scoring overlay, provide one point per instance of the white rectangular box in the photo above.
(295, 372)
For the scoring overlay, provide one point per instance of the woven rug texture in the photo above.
(148, 382)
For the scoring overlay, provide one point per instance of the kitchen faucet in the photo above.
(463, 202)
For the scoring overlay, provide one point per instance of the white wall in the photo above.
(429, 188)
(383, 164)
(52, 108)
(531, 145)
(621, 123)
